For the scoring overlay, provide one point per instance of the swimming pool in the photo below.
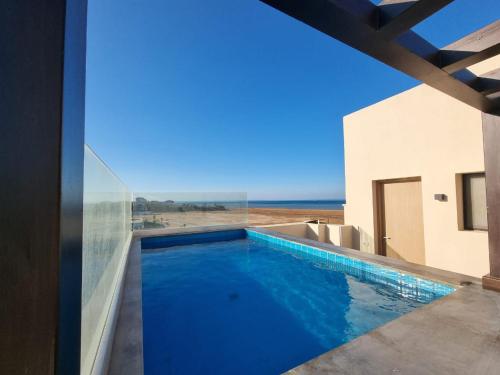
(243, 302)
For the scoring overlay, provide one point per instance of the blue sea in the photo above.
(299, 204)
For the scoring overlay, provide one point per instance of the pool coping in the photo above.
(395, 277)
(418, 270)
(456, 334)
(127, 350)
(459, 333)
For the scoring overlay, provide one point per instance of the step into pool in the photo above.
(244, 302)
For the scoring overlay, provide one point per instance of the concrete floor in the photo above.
(458, 334)
(127, 351)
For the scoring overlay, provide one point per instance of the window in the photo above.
(474, 201)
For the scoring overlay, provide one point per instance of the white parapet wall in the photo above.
(339, 235)
(292, 229)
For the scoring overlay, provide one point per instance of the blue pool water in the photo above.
(260, 305)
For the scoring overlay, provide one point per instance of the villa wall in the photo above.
(335, 234)
(420, 132)
(292, 229)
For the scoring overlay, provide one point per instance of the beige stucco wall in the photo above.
(420, 132)
(339, 235)
(292, 229)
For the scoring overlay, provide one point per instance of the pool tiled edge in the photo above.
(383, 272)
(464, 328)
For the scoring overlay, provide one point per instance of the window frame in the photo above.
(462, 190)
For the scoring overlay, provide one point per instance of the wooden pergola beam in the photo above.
(352, 23)
(383, 32)
(476, 47)
(489, 83)
(398, 16)
(491, 141)
(42, 117)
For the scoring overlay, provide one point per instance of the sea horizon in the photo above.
(292, 204)
(298, 204)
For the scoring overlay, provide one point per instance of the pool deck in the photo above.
(127, 351)
(457, 334)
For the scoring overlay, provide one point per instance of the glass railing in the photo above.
(106, 238)
(164, 211)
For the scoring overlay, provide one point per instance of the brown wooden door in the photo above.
(402, 229)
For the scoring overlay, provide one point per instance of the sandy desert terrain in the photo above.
(254, 216)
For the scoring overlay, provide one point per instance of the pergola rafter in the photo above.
(383, 32)
(476, 47)
(398, 16)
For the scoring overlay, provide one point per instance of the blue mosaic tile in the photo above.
(409, 284)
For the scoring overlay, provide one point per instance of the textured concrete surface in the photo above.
(458, 334)
(127, 351)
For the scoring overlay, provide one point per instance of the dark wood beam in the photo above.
(476, 47)
(444, 70)
(42, 95)
(408, 53)
(71, 156)
(491, 139)
(399, 16)
(488, 83)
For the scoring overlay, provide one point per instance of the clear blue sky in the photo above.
(232, 95)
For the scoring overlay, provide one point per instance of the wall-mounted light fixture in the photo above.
(441, 197)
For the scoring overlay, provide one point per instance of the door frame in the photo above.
(378, 209)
